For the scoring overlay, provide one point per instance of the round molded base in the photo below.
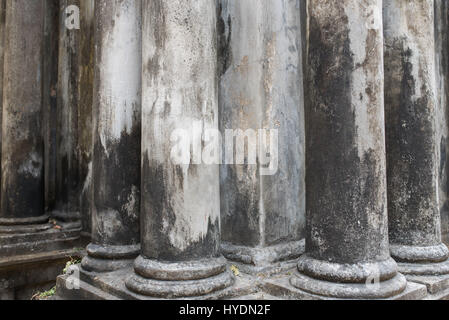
(347, 273)
(24, 221)
(425, 269)
(368, 280)
(416, 254)
(376, 290)
(179, 280)
(109, 258)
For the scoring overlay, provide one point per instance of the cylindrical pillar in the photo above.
(410, 103)
(22, 190)
(67, 156)
(181, 207)
(2, 50)
(346, 191)
(262, 104)
(442, 114)
(85, 116)
(117, 132)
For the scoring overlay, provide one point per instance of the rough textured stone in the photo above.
(22, 139)
(442, 114)
(117, 136)
(67, 155)
(411, 109)
(181, 207)
(85, 112)
(261, 87)
(347, 228)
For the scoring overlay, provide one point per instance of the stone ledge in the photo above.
(280, 287)
(435, 284)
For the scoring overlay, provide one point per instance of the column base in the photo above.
(179, 280)
(422, 261)
(266, 261)
(109, 258)
(111, 286)
(369, 280)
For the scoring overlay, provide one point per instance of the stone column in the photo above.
(261, 97)
(85, 123)
(346, 198)
(67, 156)
(117, 132)
(22, 190)
(2, 48)
(181, 207)
(410, 103)
(50, 103)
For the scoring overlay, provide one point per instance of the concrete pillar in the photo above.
(117, 132)
(181, 207)
(22, 190)
(67, 156)
(346, 198)
(410, 103)
(261, 93)
(85, 114)
(442, 116)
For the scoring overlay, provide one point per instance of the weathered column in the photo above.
(2, 48)
(50, 101)
(22, 190)
(442, 115)
(117, 132)
(261, 97)
(67, 156)
(181, 207)
(410, 103)
(85, 121)
(346, 199)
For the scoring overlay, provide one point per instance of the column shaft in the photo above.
(22, 188)
(2, 50)
(410, 103)
(442, 117)
(117, 132)
(346, 203)
(50, 103)
(67, 156)
(261, 93)
(181, 207)
(85, 123)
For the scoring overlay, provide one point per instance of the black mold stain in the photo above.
(115, 178)
(224, 41)
(342, 189)
(156, 208)
(410, 151)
